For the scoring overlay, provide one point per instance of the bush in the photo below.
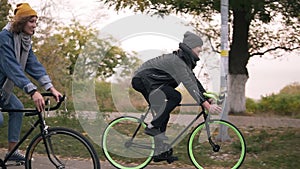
(104, 97)
(251, 105)
(286, 103)
(281, 104)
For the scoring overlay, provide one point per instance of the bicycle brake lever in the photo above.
(65, 99)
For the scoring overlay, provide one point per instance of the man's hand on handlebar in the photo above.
(212, 108)
(215, 109)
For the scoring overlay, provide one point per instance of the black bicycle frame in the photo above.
(39, 122)
(3, 162)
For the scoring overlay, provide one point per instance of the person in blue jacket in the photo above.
(16, 59)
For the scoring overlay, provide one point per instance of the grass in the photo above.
(273, 148)
(267, 148)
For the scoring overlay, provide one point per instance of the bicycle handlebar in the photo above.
(210, 95)
(31, 112)
(61, 99)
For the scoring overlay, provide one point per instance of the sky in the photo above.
(266, 75)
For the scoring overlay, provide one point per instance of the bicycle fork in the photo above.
(214, 146)
(46, 136)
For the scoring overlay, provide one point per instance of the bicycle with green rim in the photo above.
(214, 143)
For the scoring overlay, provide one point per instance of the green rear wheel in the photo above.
(122, 148)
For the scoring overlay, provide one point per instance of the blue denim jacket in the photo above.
(10, 68)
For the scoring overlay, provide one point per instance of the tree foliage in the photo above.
(250, 36)
(291, 89)
(78, 49)
(62, 47)
(263, 9)
(4, 11)
(92, 57)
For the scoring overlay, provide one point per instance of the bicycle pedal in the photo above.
(14, 163)
(172, 159)
(158, 160)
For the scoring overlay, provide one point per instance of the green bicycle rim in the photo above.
(109, 158)
(242, 141)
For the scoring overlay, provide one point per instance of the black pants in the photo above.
(161, 99)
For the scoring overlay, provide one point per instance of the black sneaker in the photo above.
(152, 131)
(16, 156)
(164, 157)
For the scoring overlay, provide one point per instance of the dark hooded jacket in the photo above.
(171, 70)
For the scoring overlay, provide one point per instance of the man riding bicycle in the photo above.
(157, 78)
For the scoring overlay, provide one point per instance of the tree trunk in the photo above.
(238, 60)
(236, 93)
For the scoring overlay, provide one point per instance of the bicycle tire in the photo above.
(68, 147)
(120, 150)
(232, 144)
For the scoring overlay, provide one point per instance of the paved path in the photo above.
(239, 121)
(271, 122)
(80, 165)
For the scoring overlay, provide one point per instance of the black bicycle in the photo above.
(53, 147)
(212, 143)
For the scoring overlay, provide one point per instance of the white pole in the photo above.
(224, 66)
(224, 53)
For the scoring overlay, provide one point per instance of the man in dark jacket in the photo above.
(157, 79)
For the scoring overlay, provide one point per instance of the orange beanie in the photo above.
(24, 10)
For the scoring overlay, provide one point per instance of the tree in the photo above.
(93, 57)
(77, 45)
(4, 11)
(246, 41)
(59, 46)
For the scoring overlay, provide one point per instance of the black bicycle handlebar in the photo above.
(35, 111)
(61, 99)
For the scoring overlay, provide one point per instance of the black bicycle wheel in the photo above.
(124, 151)
(230, 149)
(67, 149)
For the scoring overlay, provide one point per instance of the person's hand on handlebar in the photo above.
(215, 109)
(56, 93)
(38, 100)
(212, 108)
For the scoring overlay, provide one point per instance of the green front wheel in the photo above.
(225, 149)
(61, 148)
